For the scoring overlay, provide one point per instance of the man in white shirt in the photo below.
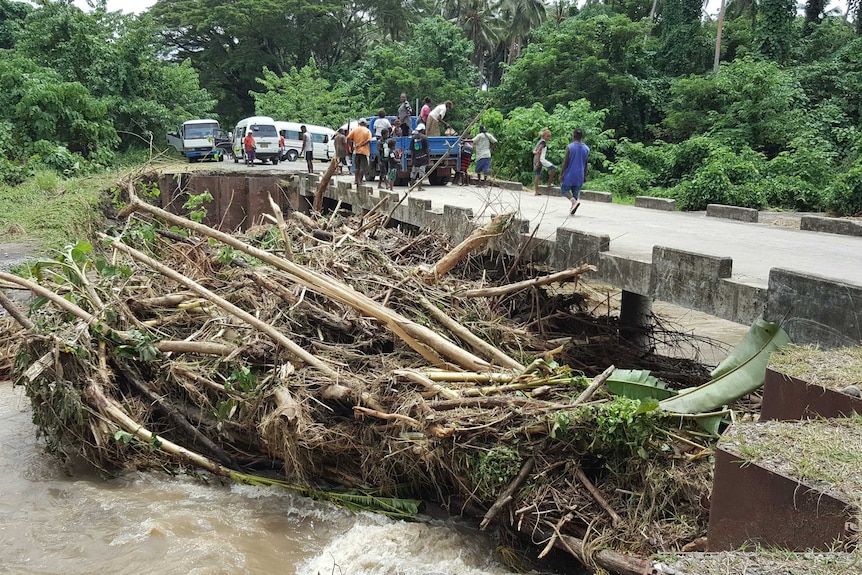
(482, 144)
(381, 123)
(435, 118)
(307, 150)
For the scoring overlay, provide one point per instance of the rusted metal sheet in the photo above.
(260, 188)
(198, 185)
(789, 398)
(169, 192)
(751, 504)
(233, 203)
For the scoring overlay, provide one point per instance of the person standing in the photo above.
(307, 150)
(250, 146)
(361, 138)
(280, 147)
(483, 142)
(574, 170)
(340, 143)
(436, 117)
(383, 153)
(403, 116)
(381, 123)
(540, 162)
(419, 155)
(394, 160)
(426, 109)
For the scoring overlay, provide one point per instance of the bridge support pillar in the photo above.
(636, 319)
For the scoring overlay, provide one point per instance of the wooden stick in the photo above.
(597, 381)
(485, 403)
(201, 347)
(563, 520)
(15, 312)
(248, 318)
(579, 473)
(479, 237)
(526, 284)
(417, 377)
(469, 337)
(282, 227)
(387, 416)
(324, 181)
(506, 495)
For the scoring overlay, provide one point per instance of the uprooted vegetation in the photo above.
(328, 356)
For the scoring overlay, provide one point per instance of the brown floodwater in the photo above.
(52, 522)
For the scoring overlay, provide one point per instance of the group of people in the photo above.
(573, 170)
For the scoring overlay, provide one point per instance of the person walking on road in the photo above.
(361, 138)
(435, 118)
(483, 143)
(250, 146)
(307, 150)
(419, 155)
(540, 162)
(574, 170)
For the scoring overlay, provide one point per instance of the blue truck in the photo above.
(437, 147)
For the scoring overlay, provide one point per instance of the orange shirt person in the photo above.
(361, 138)
(250, 146)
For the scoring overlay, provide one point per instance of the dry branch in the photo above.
(479, 237)
(562, 276)
(333, 289)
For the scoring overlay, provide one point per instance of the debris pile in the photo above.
(351, 361)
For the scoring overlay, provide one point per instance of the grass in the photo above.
(833, 368)
(766, 562)
(826, 454)
(49, 211)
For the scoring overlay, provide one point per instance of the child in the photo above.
(384, 151)
(462, 177)
(394, 161)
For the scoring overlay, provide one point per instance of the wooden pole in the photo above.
(324, 181)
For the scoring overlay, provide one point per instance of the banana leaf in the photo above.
(740, 373)
(638, 384)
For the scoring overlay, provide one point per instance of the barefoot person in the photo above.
(574, 169)
(483, 143)
(540, 162)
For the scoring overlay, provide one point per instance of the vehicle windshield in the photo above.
(264, 131)
(201, 130)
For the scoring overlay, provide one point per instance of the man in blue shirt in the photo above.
(574, 169)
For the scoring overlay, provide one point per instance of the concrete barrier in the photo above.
(812, 309)
(592, 196)
(831, 225)
(652, 203)
(516, 186)
(574, 247)
(731, 213)
(690, 279)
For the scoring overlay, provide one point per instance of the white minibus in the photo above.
(321, 136)
(265, 137)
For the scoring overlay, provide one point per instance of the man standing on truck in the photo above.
(307, 150)
(419, 155)
(361, 138)
(435, 118)
(403, 116)
(249, 145)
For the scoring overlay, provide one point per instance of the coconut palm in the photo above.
(519, 18)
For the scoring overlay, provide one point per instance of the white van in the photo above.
(265, 137)
(321, 137)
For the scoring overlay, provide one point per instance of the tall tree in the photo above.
(773, 31)
(519, 18)
(684, 46)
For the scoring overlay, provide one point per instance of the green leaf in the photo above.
(647, 404)
(123, 436)
(740, 373)
(638, 384)
(80, 250)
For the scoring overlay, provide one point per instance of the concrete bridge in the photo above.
(809, 281)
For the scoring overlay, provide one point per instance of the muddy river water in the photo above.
(52, 522)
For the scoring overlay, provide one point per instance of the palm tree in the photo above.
(520, 17)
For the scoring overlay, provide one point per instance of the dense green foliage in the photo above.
(777, 125)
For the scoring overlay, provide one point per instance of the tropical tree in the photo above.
(773, 31)
(519, 18)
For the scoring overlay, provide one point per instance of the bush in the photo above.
(844, 197)
(629, 179)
